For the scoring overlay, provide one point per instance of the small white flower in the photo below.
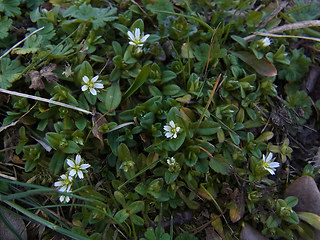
(137, 39)
(64, 183)
(92, 84)
(269, 164)
(171, 130)
(265, 42)
(125, 166)
(171, 161)
(77, 167)
(64, 198)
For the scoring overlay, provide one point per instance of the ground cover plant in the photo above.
(158, 119)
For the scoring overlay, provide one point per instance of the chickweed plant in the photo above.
(167, 119)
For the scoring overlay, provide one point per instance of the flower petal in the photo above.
(98, 85)
(168, 135)
(145, 37)
(94, 79)
(93, 91)
(130, 34)
(270, 171)
(85, 166)
(72, 172)
(137, 33)
(58, 184)
(167, 128)
(80, 174)
(85, 79)
(274, 165)
(78, 159)
(70, 163)
(84, 88)
(171, 123)
(270, 156)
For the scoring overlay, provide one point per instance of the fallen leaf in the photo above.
(36, 82)
(261, 66)
(97, 121)
(46, 72)
(16, 223)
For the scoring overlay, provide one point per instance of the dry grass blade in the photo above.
(44, 100)
(290, 26)
(18, 43)
(210, 98)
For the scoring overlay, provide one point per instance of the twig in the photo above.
(18, 43)
(14, 123)
(286, 27)
(44, 100)
(8, 177)
(275, 12)
(286, 36)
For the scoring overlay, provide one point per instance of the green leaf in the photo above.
(170, 177)
(81, 123)
(160, 5)
(261, 66)
(124, 153)
(293, 218)
(54, 139)
(272, 222)
(240, 40)
(220, 164)
(10, 72)
(120, 198)
(31, 45)
(186, 236)
(176, 143)
(305, 231)
(235, 138)
(121, 216)
(291, 201)
(135, 207)
(137, 83)
(170, 89)
(10, 7)
(98, 16)
(167, 76)
(56, 162)
(4, 27)
(298, 67)
(113, 96)
(137, 220)
(71, 147)
(208, 128)
(311, 218)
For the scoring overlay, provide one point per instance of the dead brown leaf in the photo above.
(97, 121)
(46, 72)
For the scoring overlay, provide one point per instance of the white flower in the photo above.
(92, 84)
(64, 183)
(171, 130)
(171, 161)
(136, 39)
(125, 166)
(64, 198)
(269, 164)
(265, 42)
(77, 167)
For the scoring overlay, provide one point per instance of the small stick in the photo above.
(44, 100)
(290, 26)
(18, 43)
